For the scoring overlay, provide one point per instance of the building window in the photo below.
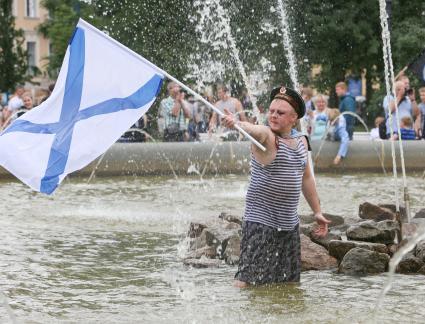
(31, 8)
(31, 50)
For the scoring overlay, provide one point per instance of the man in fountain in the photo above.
(347, 103)
(174, 109)
(225, 101)
(270, 246)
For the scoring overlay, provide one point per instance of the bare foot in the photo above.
(240, 284)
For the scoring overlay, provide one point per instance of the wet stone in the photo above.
(422, 270)
(207, 251)
(195, 229)
(392, 249)
(409, 229)
(374, 212)
(202, 263)
(392, 208)
(371, 231)
(324, 241)
(335, 219)
(205, 239)
(359, 261)
(420, 214)
(339, 249)
(230, 218)
(232, 250)
(409, 264)
(420, 251)
(314, 256)
(306, 229)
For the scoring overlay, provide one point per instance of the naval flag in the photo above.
(102, 89)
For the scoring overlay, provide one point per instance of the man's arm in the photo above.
(239, 109)
(261, 133)
(416, 113)
(186, 109)
(310, 194)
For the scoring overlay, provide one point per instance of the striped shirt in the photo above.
(407, 134)
(274, 190)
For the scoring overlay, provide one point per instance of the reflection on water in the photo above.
(107, 252)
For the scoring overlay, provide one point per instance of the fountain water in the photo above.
(390, 86)
(287, 45)
(215, 31)
(389, 76)
(328, 128)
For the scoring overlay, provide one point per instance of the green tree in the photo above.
(13, 58)
(63, 17)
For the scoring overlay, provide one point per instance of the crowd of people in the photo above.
(411, 114)
(20, 102)
(181, 117)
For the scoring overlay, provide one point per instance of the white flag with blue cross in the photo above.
(102, 89)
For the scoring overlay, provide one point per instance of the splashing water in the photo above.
(395, 260)
(215, 31)
(328, 128)
(287, 44)
(389, 77)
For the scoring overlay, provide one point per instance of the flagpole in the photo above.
(170, 77)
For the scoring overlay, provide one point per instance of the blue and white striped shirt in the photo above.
(274, 190)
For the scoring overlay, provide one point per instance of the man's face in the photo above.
(340, 91)
(19, 92)
(399, 89)
(406, 82)
(221, 94)
(281, 115)
(174, 90)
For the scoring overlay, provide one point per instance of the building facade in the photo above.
(29, 14)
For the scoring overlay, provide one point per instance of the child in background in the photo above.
(406, 129)
(374, 132)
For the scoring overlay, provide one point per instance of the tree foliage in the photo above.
(63, 16)
(341, 37)
(13, 58)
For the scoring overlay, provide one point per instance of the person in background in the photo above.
(27, 105)
(374, 132)
(406, 129)
(338, 133)
(410, 93)
(404, 104)
(347, 103)
(14, 103)
(307, 94)
(174, 109)
(245, 100)
(319, 117)
(50, 90)
(226, 102)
